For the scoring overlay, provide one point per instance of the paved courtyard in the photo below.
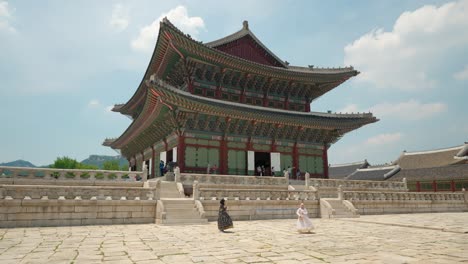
(416, 238)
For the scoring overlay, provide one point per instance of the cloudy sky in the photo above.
(63, 64)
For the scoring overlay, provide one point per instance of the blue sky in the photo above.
(63, 64)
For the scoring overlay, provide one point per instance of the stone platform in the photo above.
(402, 238)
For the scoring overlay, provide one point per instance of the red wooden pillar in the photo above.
(295, 161)
(153, 162)
(307, 106)
(265, 100)
(434, 185)
(223, 156)
(325, 161)
(452, 185)
(286, 103)
(418, 186)
(181, 153)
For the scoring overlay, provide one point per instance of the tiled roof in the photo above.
(340, 171)
(245, 31)
(374, 174)
(429, 174)
(431, 158)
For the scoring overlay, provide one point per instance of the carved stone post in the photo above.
(405, 183)
(340, 193)
(177, 174)
(157, 196)
(196, 191)
(144, 176)
(307, 177)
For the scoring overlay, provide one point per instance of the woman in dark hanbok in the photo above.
(224, 220)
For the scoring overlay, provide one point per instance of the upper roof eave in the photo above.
(211, 101)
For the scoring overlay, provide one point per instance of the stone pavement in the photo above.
(416, 238)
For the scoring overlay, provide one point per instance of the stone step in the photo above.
(179, 206)
(185, 216)
(194, 221)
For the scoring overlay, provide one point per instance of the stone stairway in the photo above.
(173, 209)
(169, 190)
(337, 208)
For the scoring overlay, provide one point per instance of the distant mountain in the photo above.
(98, 160)
(19, 163)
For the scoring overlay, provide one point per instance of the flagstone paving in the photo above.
(415, 238)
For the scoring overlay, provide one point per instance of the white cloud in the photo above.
(120, 18)
(178, 16)
(5, 16)
(410, 110)
(384, 139)
(94, 103)
(461, 75)
(351, 108)
(403, 57)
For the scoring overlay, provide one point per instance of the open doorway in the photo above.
(262, 164)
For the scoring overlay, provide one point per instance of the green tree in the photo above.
(65, 163)
(69, 163)
(111, 165)
(124, 167)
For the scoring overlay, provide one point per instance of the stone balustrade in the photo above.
(355, 184)
(69, 174)
(189, 178)
(52, 192)
(403, 196)
(255, 194)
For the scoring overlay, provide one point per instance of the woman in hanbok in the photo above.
(304, 225)
(224, 220)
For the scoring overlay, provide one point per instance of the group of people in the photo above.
(303, 224)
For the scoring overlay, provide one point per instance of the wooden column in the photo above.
(153, 162)
(434, 185)
(325, 161)
(418, 186)
(452, 186)
(181, 153)
(307, 105)
(223, 156)
(295, 161)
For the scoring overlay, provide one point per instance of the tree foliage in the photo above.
(69, 163)
(111, 165)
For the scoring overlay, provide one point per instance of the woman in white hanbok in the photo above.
(304, 225)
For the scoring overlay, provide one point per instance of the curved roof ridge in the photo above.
(349, 164)
(464, 151)
(433, 151)
(240, 34)
(155, 80)
(394, 171)
(379, 168)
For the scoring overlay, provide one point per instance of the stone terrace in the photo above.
(415, 238)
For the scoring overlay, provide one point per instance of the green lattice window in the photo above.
(200, 157)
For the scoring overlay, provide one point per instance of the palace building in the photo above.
(231, 106)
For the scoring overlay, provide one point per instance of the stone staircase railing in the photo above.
(405, 196)
(326, 210)
(189, 178)
(210, 192)
(70, 174)
(355, 184)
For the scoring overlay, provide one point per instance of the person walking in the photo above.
(304, 224)
(224, 220)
